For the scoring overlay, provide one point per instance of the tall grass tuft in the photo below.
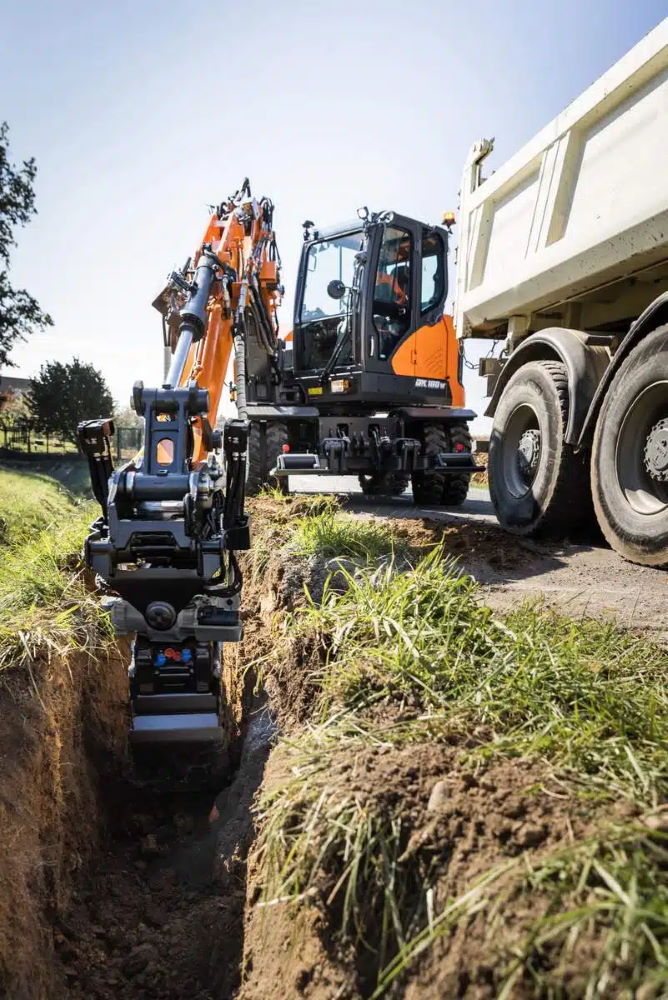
(583, 693)
(328, 533)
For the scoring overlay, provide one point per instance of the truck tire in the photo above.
(456, 487)
(629, 462)
(537, 484)
(265, 444)
(390, 484)
(428, 489)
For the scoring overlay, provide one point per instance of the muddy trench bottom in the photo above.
(161, 915)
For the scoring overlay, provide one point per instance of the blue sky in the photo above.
(142, 114)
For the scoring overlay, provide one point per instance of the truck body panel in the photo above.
(573, 229)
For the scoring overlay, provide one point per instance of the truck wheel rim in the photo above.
(642, 451)
(521, 450)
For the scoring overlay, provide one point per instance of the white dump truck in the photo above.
(563, 255)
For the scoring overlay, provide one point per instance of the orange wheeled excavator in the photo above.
(370, 385)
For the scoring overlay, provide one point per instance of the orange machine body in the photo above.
(432, 352)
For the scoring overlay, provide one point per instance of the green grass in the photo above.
(584, 694)
(71, 472)
(45, 605)
(614, 881)
(329, 533)
(415, 657)
(28, 503)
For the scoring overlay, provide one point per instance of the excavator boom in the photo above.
(240, 242)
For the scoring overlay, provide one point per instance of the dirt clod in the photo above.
(138, 959)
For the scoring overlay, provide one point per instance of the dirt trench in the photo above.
(161, 915)
(157, 909)
(111, 884)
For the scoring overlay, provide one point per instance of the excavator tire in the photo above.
(265, 444)
(629, 461)
(389, 484)
(538, 485)
(456, 488)
(428, 489)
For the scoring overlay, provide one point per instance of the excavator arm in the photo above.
(173, 517)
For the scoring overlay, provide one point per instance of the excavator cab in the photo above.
(372, 382)
(368, 321)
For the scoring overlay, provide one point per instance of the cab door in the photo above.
(406, 293)
(392, 289)
(429, 343)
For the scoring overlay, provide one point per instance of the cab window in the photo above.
(321, 317)
(393, 290)
(328, 260)
(433, 270)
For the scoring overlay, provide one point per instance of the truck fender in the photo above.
(586, 358)
(655, 315)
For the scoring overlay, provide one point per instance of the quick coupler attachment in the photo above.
(175, 693)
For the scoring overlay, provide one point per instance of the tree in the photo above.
(19, 312)
(125, 416)
(64, 394)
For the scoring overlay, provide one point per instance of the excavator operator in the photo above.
(391, 295)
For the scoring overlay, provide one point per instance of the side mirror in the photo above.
(336, 289)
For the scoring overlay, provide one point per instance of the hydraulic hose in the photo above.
(240, 362)
(268, 336)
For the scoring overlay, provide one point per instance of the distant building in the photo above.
(14, 397)
(12, 385)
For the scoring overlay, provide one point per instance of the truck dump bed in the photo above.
(573, 229)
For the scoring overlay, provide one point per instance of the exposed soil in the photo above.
(63, 723)
(162, 915)
(458, 822)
